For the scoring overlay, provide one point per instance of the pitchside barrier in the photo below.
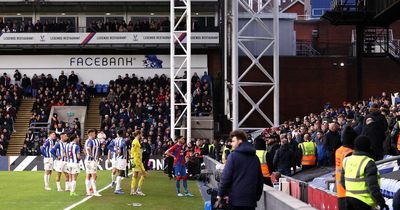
(270, 200)
(35, 163)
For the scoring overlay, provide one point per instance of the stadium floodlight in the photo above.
(253, 31)
(180, 61)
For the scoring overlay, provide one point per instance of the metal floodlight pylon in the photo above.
(180, 61)
(254, 10)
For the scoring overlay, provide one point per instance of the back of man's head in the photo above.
(362, 143)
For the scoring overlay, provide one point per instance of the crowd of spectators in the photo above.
(49, 92)
(131, 26)
(38, 26)
(376, 118)
(10, 100)
(139, 25)
(134, 103)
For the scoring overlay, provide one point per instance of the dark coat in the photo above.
(242, 179)
(332, 143)
(283, 159)
(377, 137)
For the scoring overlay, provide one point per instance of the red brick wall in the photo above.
(306, 84)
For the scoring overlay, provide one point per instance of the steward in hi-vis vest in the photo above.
(360, 178)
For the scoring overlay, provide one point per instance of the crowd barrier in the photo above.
(271, 199)
(35, 163)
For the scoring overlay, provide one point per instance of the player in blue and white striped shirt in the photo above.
(92, 155)
(112, 157)
(48, 159)
(74, 156)
(121, 150)
(59, 152)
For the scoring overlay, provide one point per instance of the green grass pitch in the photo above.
(24, 190)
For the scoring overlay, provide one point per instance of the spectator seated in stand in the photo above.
(10, 100)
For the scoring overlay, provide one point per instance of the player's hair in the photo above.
(51, 132)
(120, 133)
(91, 131)
(73, 137)
(179, 137)
(136, 133)
(240, 135)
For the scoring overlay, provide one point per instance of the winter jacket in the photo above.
(283, 159)
(242, 179)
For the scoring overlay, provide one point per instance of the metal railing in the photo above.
(36, 127)
(304, 48)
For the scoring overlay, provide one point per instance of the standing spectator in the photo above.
(375, 128)
(62, 79)
(26, 85)
(321, 149)
(332, 143)
(241, 181)
(35, 85)
(294, 146)
(73, 79)
(273, 146)
(284, 158)
(17, 78)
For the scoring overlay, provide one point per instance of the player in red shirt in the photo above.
(178, 152)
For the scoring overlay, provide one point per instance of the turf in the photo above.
(24, 190)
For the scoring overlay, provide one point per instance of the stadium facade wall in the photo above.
(307, 83)
(35, 163)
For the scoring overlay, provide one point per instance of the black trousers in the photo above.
(342, 203)
(355, 204)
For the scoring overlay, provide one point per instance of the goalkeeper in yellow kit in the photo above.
(137, 166)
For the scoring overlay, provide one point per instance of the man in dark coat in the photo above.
(375, 128)
(284, 158)
(242, 181)
(332, 143)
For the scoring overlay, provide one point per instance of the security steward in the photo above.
(265, 160)
(360, 178)
(308, 153)
(344, 151)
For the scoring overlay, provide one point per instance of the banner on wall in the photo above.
(35, 163)
(104, 38)
(149, 61)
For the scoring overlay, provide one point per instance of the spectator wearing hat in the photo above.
(359, 178)
(344, 151)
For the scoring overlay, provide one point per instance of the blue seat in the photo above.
(98, 88)
(105, 89)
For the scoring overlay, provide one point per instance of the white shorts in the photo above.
(91, 167)
(48, 164)
(74, 168)
(114, 162)
(60, 166)
(121, 164)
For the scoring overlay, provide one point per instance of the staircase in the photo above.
(21, 126)
(92, 115)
